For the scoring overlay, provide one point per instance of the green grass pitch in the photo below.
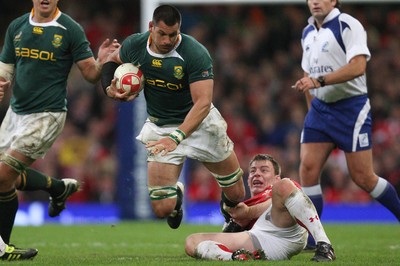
(153, 243)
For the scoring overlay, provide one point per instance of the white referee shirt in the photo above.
(340, 38)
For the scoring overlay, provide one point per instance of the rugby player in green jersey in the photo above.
(182, 121)
(39, 50)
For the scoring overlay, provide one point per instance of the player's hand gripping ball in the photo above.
(129, 78)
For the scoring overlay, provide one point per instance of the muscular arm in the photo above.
(91, 68)
(202, 92)
(355, 68)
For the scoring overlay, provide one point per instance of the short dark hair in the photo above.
(337, 3)
(170, 15)
(267, 157)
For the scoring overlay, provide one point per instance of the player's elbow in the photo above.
(163, 208)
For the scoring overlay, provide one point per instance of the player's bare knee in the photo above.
(162, 210)
(366, 182)
(309, 173)
(284, 188)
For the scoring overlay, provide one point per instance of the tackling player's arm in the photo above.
(243, 214)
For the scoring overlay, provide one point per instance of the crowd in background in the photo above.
(257, 53)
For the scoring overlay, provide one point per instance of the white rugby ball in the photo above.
(129, 78)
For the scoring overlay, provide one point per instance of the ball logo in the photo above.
(130, 82)
(129, 78)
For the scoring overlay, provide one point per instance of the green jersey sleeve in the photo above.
(200, 64)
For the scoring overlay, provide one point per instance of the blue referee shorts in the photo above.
(346, 123)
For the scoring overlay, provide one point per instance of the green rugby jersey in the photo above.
(43, 54)
(168, 76)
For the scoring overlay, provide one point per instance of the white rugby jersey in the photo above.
(340, 38)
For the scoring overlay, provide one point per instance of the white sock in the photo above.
(379, 188)
(313, 190)
(212, 250)
(303, 210)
